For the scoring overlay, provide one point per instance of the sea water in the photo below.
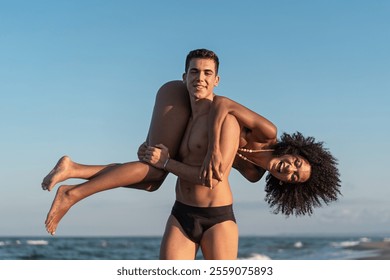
(147, 248)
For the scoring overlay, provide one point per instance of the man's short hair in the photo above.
(202, 53)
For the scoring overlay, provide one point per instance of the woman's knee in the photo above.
(170, 116)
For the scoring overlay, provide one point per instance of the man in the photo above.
(201, 216)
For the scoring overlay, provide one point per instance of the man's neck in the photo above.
(200, 106)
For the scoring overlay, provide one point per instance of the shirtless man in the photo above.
(201, 216)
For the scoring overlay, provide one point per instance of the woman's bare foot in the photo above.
(60, 206)
(60, 173)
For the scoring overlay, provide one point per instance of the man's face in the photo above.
(201, 78)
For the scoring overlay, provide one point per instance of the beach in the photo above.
(382, 248)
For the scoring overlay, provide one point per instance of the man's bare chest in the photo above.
(195, 141)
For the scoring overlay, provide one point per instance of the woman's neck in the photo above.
(260, 157)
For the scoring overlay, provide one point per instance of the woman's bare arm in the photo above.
(262, 130)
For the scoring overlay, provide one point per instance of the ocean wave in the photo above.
(255, 256)
(365, 239)
(345, 244)
(349, 243)
(37, 242)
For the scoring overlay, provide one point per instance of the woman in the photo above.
(170, 116)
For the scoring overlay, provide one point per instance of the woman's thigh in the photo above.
(175, 244)
(170, 116)
(220, 242)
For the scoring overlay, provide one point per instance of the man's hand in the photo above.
(211, 168)
(156, 156)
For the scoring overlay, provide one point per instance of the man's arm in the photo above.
(159, 157)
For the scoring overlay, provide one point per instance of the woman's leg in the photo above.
(175, 244)
(220, 242)
(67, 169)
(67, 195)
(169, 121)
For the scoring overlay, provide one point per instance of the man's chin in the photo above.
(200, 95)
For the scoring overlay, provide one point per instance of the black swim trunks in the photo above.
(196, 220)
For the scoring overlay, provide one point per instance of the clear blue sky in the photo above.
(79, 78)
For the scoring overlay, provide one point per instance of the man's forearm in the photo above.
(186, 172)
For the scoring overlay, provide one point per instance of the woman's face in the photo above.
(290, 168)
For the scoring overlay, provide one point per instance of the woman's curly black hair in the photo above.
(322, 186)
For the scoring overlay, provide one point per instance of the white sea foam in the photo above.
(298, 244)
(365, 239)
(255, 256)
(37, 242)
(5, 243)
(345, 244)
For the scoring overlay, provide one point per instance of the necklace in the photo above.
(251, 151)
(255, 151)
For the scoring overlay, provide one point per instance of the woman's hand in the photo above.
(142, 150)
(157, 156)
(212, 167)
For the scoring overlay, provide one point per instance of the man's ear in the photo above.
(184, 76)
(216, 81)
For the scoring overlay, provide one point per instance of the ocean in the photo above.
(147, 248)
